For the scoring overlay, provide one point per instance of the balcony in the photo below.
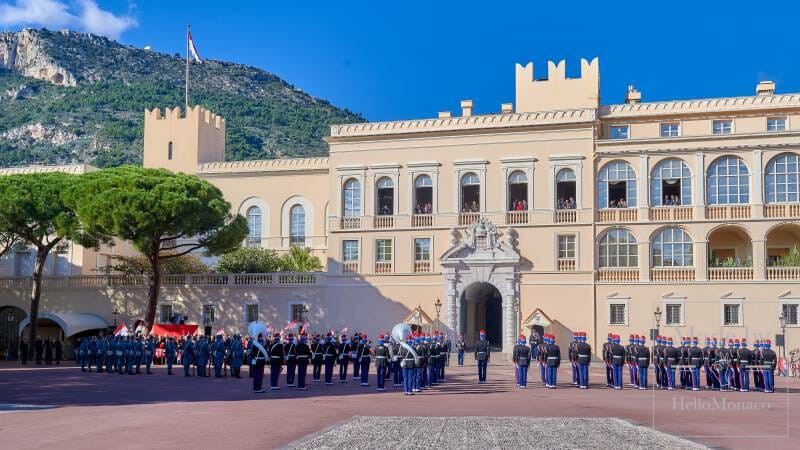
(565, 216)
(350, 267)
(278, 279)
(383, 221)
(383, 267)
(422, 266)
(672, 274)
(618, 275)
(350, 223)
(422, 220)
(566, 264)
(783, 273)
(518, 218)
(730, 273)
(782, 210)
(728, 212)
(618, 215)
(671, 213)
(468, 218)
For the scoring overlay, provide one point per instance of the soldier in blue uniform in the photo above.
(236, 356)
(769, 359)
(616, 358)
(203, 356)
(758, 375)
(343, 351)
(408, 365)
(364, 358)
(290, 358)
(696, 361)
(100, 358)
(218, 356)
(149, 352)
(329, 358)
(723, 359)
(584, 357)
(91, 350)
(609, 367)
(572, 357)
(745, 361)
(553, 362)
(354, 351)
(734, 370)
(316, 359)
(521, 355)
(277, 357)
(111, 347)
(482, 355)
(170, 352)
(461, 346)
(418, 364)
(433, 365)
(642, 362)
(382, 356)
(257, 360)
(139, 353)
(83, 348)
(303, 352)
(187, 356)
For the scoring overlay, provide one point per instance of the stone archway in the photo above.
(481, 309)
(481, 257)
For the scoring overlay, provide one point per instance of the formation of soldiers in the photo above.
(116, 354)
(47, 351)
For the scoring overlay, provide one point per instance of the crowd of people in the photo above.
(619, 203)
(423, 208)
(48, 351)
(470, 207)
(519, 205)
(671, 200)
(566, 203)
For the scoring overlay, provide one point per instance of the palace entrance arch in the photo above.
(481, 275)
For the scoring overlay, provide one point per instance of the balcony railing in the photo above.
(670, 213)
(726, 212)
(672, 274)
(422, 266)
(618, 215)
(350, 223)
(517, 217)
(277, 279)
(618, 275)
(781, 210)
(383, 267)
(422, 220)
(783, 273)
(566, 264)
(565, 216)
(468, 218)
(383, 221)
(350, 267)
(730, 273)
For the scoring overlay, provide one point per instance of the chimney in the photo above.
(507, 108)
(466, 108)
(633, 96)
(445, 114)
(765, 88)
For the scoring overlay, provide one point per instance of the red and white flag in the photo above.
(121, 330)
(193, 49)
(291, 325)
(304, 328)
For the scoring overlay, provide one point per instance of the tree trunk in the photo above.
(153, 291)
(36, 293)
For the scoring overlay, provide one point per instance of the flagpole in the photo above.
(186, 87)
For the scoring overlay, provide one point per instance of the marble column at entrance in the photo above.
(453, 310)
(508, 323)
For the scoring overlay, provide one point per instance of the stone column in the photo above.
(644, 261)
(701, 260)
(643, 196)
(508, 322)
(453, 309)
(699, 179)
(756, 181)
(759, 259)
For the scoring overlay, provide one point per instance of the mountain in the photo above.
(67, 96)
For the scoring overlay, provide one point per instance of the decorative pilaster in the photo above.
(644, 261)
(644, 188)
(756, 183)
(759, 259)
(701, 260)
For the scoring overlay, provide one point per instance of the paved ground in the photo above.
(168, 412)
(490, 433)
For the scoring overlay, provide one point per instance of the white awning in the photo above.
(71, 323)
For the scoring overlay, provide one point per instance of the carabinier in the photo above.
(422, 371)
(276, 360)
(111, 347)
(364, 358)
(572, 356)
(433, 364)
(723, 360)
(696, 361)
(707, 364)
(316, 359)
(745, 361)
(382, 356)
(397, 370)
(734, 372)
(541, 353)
(643, 363)
(605, 353)
(343, 351)
(521, 355)
(769, 359)
(616, 354)
(303, 358)
(290, 359)
(584, 358)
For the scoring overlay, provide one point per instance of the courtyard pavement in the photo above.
(62, 406)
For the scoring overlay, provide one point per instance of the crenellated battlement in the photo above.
(557, 92)
(179, 141)
(175, 113)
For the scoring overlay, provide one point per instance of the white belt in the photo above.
(552, 357)
(381, 357)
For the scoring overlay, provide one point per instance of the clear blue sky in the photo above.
(408, 59)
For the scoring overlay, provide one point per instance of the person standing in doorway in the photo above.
(482, 356)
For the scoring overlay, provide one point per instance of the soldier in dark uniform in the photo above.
(257, 362)
(441, 357)
(236, 356)
(290, 359)
(616, 355)
(707, 363)
(448, 348)
(584, 357)
(657, 361)
(277, 357)
(48, 353)
(421, 366)
(433, 362)
(170, 352)
(673, 359)
(111, 348)
(461, 346)
(218, 356)
(343, 350)
(482, 355)
(723, 361)
(187, 356)
(100, 354)
(745, 361)
(59, 349)
(696, 361)
(381, 361)
(329, 358)
(303, 358)
(758, 375)
(769, 359)
(149, 353)
(572, 356)
(38, 347)
(609, 367)
(408, 365)
(542, 360)
(533, 343)
(642, 362)
(553, 362)
(629, 361)
(394, 366)
(316, 359)
(354, 351)
(521, 355)
(23, 351)
(734, 372)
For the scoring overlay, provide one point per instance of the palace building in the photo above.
(558, 214)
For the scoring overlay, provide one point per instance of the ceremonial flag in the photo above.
(291, 325)
(220, 331)
(193, 48)
(304, 328)
(121, 330)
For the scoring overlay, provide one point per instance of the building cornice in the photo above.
(715, 148)
(264, 165)
(481, 122)
(700, 106)
(76, 169)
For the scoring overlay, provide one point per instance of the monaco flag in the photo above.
(193, 49)
(121, 330)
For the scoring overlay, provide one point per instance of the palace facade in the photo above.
(558, 214)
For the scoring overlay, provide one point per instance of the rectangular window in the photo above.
(617, 314)
(790, 310)
(383, 250)
(350, 251)
(722, 127)
(619, 132)
(674, 313)
(166, 313)
(299, 312)
(670, 129)
(566, 246)
(776, 124)
(209, 313)
(731, 314)
(422, 249)
(251, 312)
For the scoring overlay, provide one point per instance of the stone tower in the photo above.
(180, 143)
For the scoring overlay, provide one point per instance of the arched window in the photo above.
(352, 198)
(517, 191)
(385, 205)
(617, 187)
(470, 193)
(423, 195)
(169, 151)
(565, 189)
(618, 248)
(671, 184)
(783, 178)
(297, 225)
(672, 247)
(254, 227)
(728, 182)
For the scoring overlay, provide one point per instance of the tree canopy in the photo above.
(300, 260)
(249, 260)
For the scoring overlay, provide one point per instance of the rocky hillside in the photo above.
(67, 96)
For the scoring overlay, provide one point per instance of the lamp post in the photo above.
(657, 316)
(782, 319)
(438, 306)
(115, 313)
